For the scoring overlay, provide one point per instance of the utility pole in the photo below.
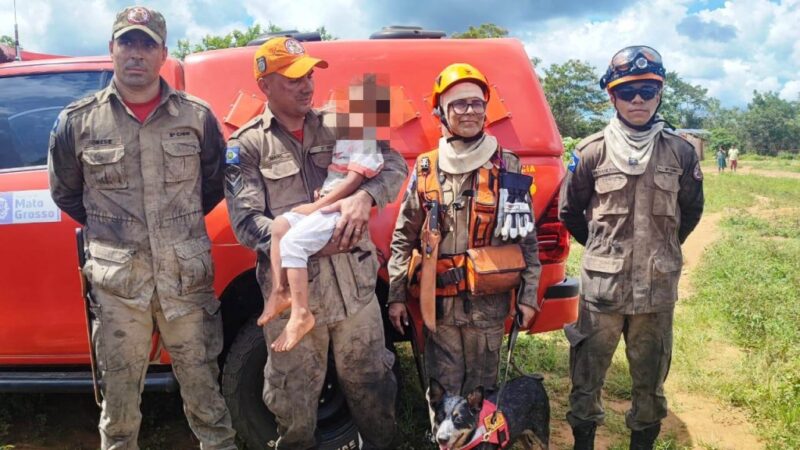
(17, 49)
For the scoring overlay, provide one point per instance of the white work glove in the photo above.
(514, 211)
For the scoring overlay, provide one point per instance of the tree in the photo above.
(7, 40)
(325, 35)
(577, 102)
(771, 124)
(722, 138)
(486, 30)
(235, 38)
(684, 105)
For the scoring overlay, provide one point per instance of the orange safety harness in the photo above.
(450, 269)
(492, 428)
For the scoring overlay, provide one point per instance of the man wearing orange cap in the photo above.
(633, 193)
(275, 163)
(139, 164)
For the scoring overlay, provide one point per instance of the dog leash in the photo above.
(497, 419)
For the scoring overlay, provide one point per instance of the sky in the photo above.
(729, 47)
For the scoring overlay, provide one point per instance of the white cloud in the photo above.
(343, 18)
(791, 90)
(759, 49)
(764, 53)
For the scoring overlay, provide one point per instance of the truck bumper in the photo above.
(68, 382)
(559, 306)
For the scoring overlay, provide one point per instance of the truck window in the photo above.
(29, 108)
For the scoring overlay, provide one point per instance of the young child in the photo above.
(305, 230)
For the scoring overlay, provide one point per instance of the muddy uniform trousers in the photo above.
(593, 340)
(122, 336)
(364, 369)
(464, 352)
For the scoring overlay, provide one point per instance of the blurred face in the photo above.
(288, 96)
(466, 116)
(637, 101)
(137, 59)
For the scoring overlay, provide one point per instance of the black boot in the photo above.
(644, 439)
(584, 435)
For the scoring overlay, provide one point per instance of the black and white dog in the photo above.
(459, 423)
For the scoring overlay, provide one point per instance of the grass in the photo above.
(735, 191)
(746, 300)
(748, 290)
(69, 421)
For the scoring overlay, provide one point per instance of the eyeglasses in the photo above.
(636, 57)
(628, 93)
(461, 106)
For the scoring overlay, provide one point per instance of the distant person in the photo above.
(139, 164)
(733, 156)
(633, 193)
(721, 161)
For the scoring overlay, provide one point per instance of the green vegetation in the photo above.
(785, 162)
(236, 38)
(737, 191)
(485, 30)
(751, 281)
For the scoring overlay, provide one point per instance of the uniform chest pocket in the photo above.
(284, 183)
(611, 195)
(104, 167)
(321, 155)
(181, 160)
(667, 184)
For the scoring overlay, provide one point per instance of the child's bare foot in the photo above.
(278, 302)
(300, 323)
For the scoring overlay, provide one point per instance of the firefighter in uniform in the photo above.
(463, 351)
(139, 165)
(274, 163)
(632, 195)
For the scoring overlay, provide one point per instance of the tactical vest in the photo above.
(450, 269)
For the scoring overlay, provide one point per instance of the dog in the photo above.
(456, 423)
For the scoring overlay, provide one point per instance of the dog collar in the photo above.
(493, 428)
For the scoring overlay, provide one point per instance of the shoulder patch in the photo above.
(55, 125)
(573, 161)
(232, 155)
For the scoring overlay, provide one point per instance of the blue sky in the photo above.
(730, 47)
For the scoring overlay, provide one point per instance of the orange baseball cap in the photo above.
(286, 56)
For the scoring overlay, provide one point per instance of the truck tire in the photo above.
(242, 386)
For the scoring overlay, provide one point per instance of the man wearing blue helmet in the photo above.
(633, 193)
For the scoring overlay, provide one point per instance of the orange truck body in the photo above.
(42, 329)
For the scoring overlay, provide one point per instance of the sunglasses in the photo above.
(637, 57)
(461, 106)
(628, 93)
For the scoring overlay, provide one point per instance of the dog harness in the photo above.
(492, 428)
(450, 269)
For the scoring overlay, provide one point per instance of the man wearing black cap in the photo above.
(139, 165)
(633, 193)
